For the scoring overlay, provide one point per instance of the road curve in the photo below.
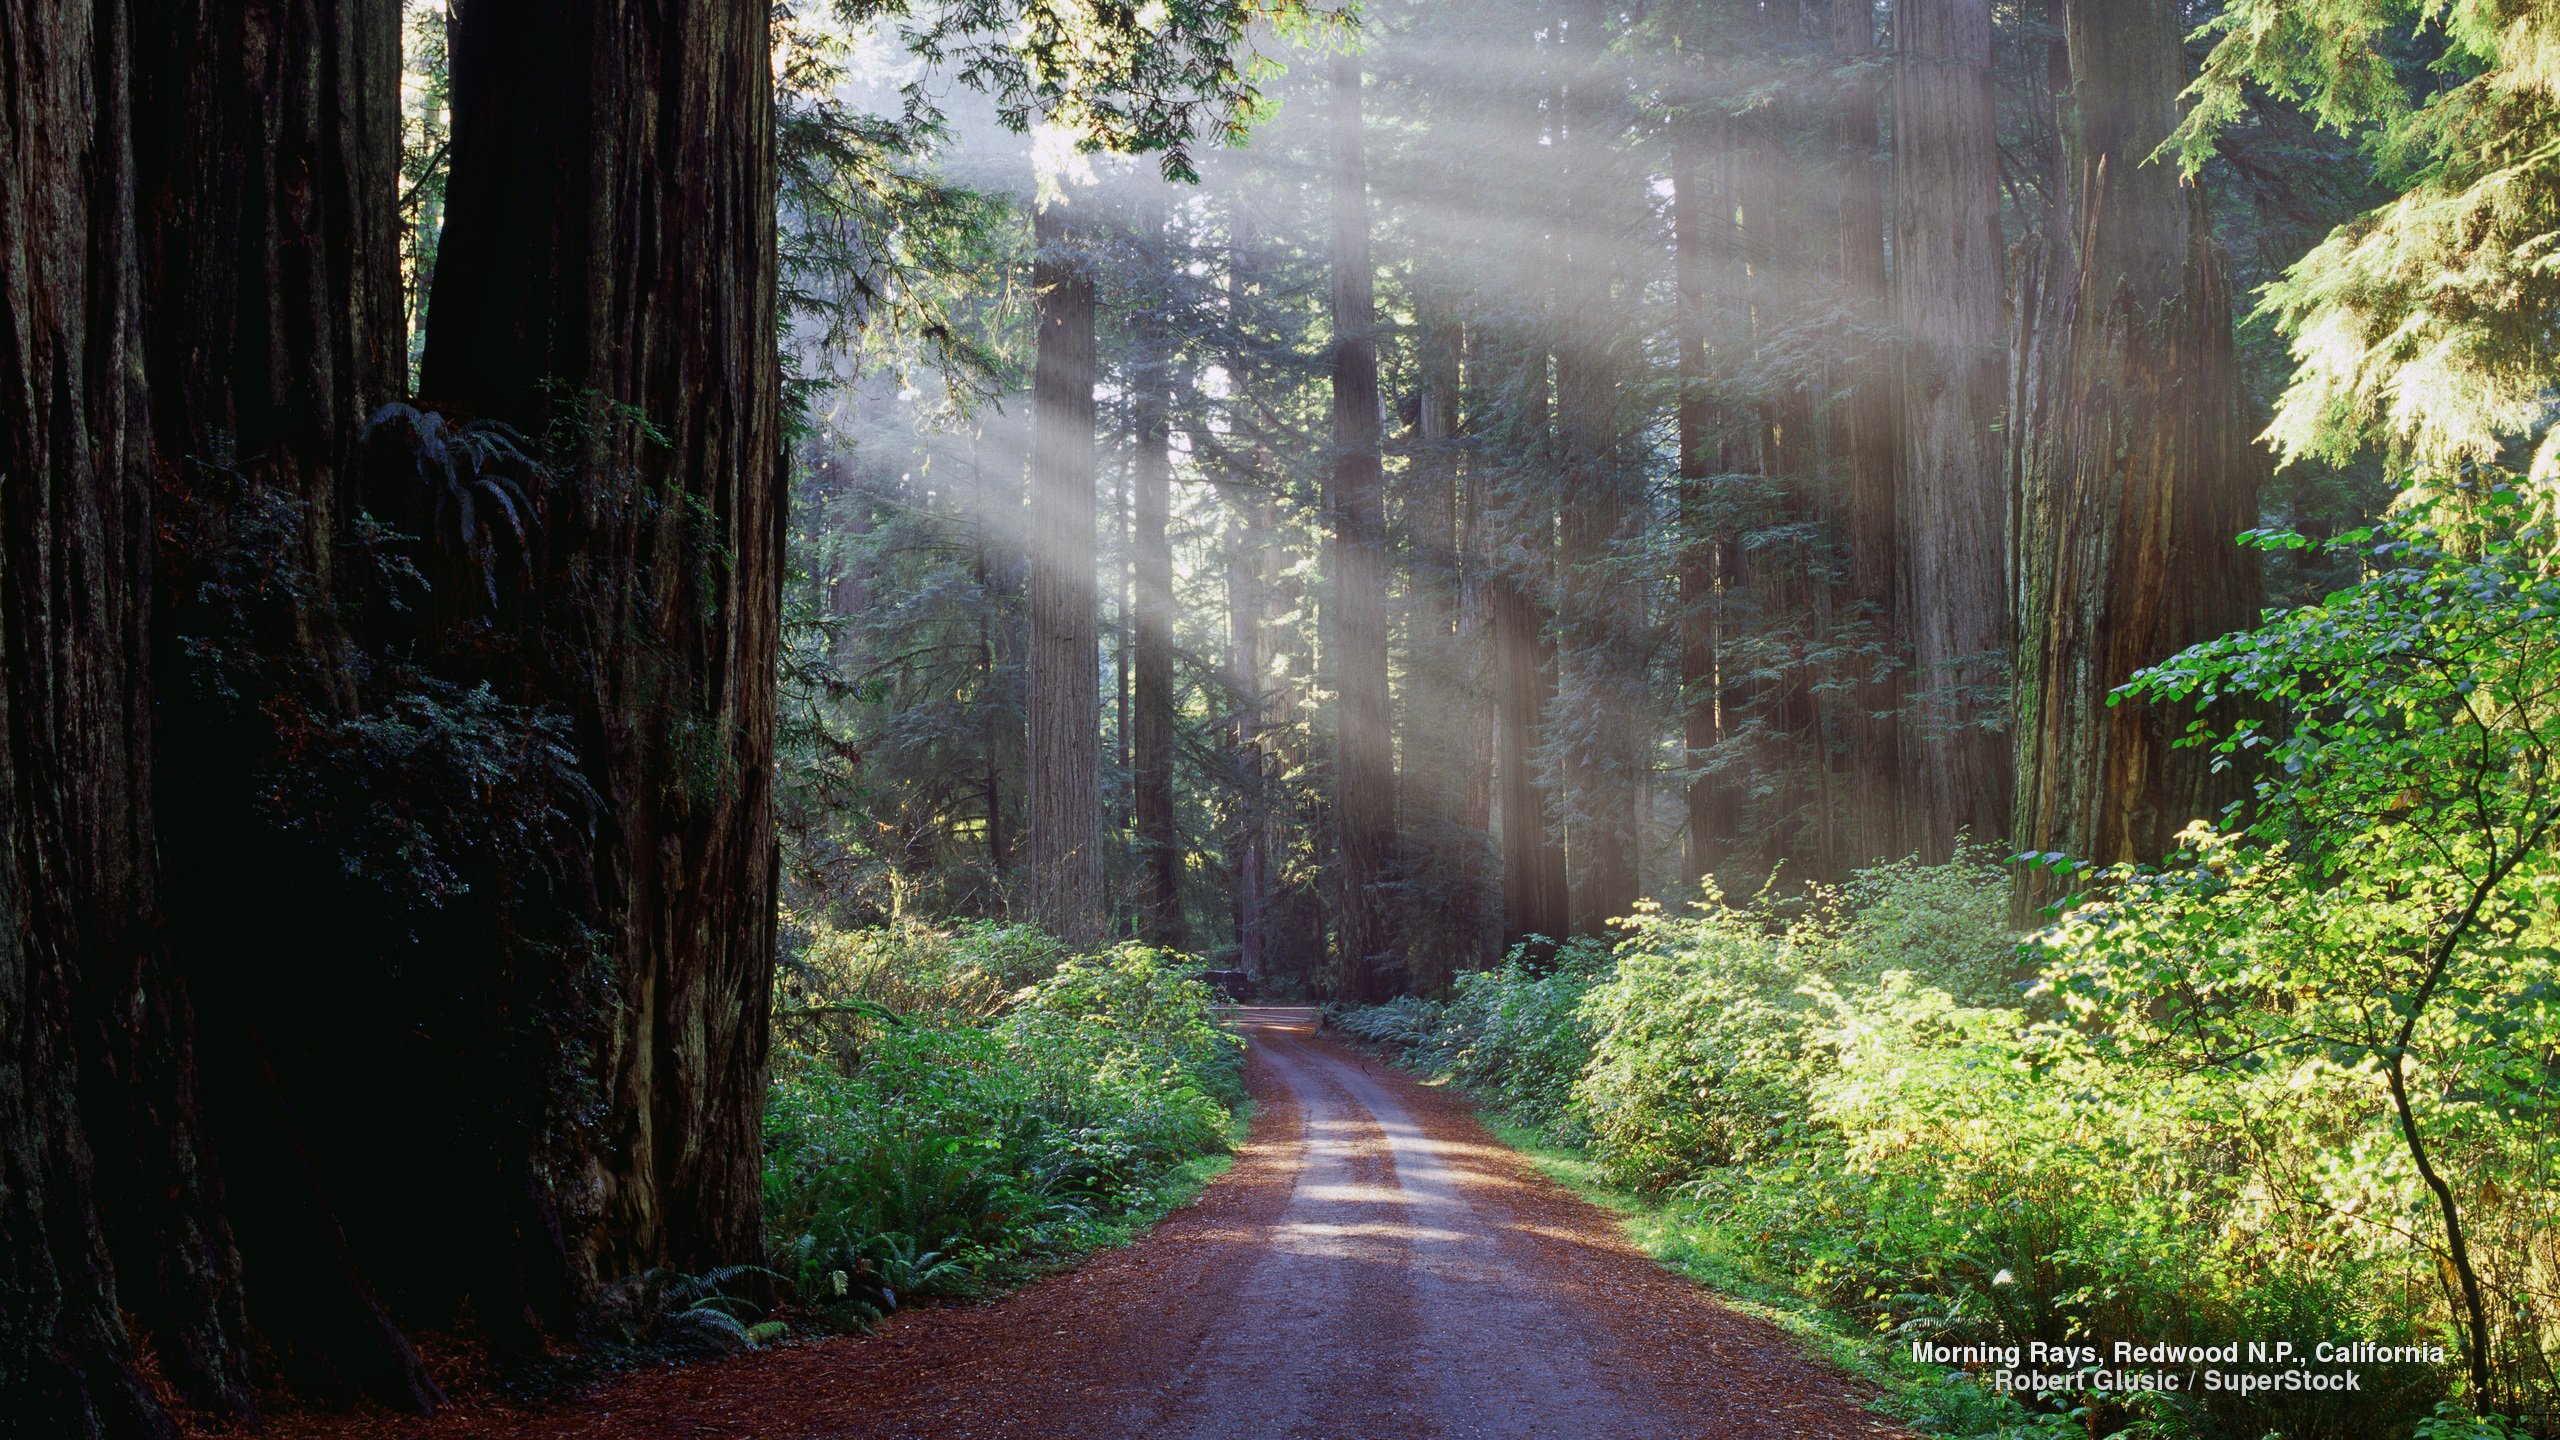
(1374, 1266)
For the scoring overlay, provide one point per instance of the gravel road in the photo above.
(1374, 1266)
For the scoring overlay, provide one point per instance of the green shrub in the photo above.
(951, 1147)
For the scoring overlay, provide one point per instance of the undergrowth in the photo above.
(1864, 1114)
(956, 1110)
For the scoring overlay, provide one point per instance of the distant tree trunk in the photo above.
(1475, 697)
(2140, 471)
(992, 566)
(1600, 611)
(1159, 844)
(1249, 838)
(1535, 888)
(1364, 770)
(1952, 515)
(1704, 841)
(1866, 442)
(609, 258)
(1251, 547)
(1063, 808)
(1444, 874)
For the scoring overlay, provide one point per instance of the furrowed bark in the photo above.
(1159, 843)
(608, 273)
(1062, 841)
(2138, 470)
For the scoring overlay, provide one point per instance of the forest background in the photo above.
(700, 641)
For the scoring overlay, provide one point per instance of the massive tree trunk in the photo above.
(78, 897)
(2140, 470)
(1062, 819)
(1355, 510)
(1151, 777)
(1866, 443)
(607, 274)
(181, 401)
(1952, 516)
(1601, 611)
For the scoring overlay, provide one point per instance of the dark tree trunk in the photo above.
(78, 897)
(262, 304)
(1063, 805)
(1151, 778)
(1952, 515)
(607, 273)
(1866, 440)
(1355, 508)
(2140, 470)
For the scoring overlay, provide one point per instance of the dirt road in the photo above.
(1374, 1266)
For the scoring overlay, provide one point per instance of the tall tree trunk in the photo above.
(1535, 887)
(1952, 516)
(1866, 441)
(1355, 506)
(268, 149)
(1064, 804)
(78, 897)
(609, 259)
(1251, 553)
(1249, 837)
(1151, 778)
(1440, 855)
(1692, 231)
(2140, 471)
(1476, 677)
(1601, 619)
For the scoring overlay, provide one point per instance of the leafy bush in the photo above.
(1851, 1096)
(947, 1147)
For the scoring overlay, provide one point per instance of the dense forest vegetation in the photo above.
(645, 647)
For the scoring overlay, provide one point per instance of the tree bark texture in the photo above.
(607, 276)
(77, 898)
(1063, 840)
(1159, 842)
(1355, 512)
(1952, 513)
(2140, 470)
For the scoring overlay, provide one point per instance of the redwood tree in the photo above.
(1355, 510)
(1062, 808)
(2139, 471)
(607, 279)
(1951, 516)
(1151, 779)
